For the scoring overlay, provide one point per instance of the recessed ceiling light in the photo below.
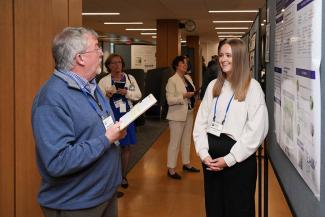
(122, 23)
(231, 32)
(183, 41)
(92, 14)
(231, 28)
(235, 11)
(141, 29)
(154, 36)
(229, 36)
(262, 24)
(232, 21)
(148, 33)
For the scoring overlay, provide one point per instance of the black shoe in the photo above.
(119, 194)
(125, 183)
(174, 176)
(190, 169)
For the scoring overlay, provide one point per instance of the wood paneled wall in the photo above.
(7, 188)
(168, 42)
(25, 63)
(194, 42)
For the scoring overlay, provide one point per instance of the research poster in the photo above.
(278, 67)
(297, 86)
(143, 57)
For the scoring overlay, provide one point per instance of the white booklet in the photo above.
(136, 111)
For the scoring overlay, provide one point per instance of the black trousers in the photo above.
(230, 192)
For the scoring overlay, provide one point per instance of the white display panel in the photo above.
(143, 57)
(297, 87)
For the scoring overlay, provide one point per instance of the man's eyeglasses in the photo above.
(98, 50)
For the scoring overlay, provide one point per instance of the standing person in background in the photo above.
(210, 74)
(189, 64)
(212, 71)
(204, 67)
(180, 98)
(75, 134)
(213, 60)
(231, 123)
(122, 90)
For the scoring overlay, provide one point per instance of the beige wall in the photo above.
(212, 49)
(27, 29)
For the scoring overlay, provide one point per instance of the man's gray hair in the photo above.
(68, 43)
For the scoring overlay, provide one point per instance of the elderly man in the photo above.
(76, 138)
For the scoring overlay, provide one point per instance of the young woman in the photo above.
(231, 123)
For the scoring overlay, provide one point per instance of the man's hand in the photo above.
(114, 133)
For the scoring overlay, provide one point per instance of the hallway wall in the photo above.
(27, 30)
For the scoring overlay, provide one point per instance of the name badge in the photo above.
(108, 122)
(215, 128)
(132, 87)
(117, 103)
(122, 107)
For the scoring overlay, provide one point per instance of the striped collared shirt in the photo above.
(89, 86)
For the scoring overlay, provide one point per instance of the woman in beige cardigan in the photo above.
(180, 98)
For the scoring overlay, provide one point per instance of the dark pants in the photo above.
(230, 192)
(106, 209)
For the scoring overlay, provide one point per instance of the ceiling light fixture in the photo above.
(141, 29)
(122, 23)
(148, 33)
(154, 36)
(229, 36)
(231, 28)
(231, 32)
(183, 41)
(92, 14)
(232, 21)
(235, 11)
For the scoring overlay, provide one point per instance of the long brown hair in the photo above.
(241, 76)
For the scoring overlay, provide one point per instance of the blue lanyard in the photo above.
(100, 112)
(215, 108)
(91, 102)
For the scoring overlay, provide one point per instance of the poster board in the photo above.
(254, 47)
(143, 57)
(295, 103)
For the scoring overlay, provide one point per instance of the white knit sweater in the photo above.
(246, 122)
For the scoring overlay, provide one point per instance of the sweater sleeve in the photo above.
(173, 98)
(103, 86)
(136, 94)
(255, 129)
(56, 142)
(201, 124)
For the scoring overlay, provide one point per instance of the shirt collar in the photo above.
(89, 86)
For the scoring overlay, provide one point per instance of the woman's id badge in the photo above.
(132, 87)
(215, 128)
(122, 107)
